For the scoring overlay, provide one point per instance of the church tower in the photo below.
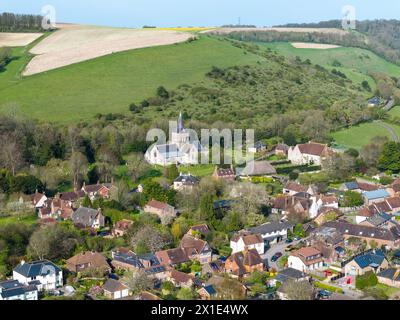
(180, 123)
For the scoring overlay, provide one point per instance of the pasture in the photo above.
(358, 136)
(110, 83)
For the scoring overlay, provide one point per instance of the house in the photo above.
(87, 261)
(88, 218)
(55, 209)
(172, 257)
(379, 195)
(363, 214)
(273, 231)
(306, 259)
(374, 102)
(207, 292)
(114, 289)
(182, 280)
(38, 200)
(373, 260)
(389, 205)
(185, 182)
(389, 277)
(163, 210)
(242, 242)
(350, 186)
(179, 150)
(326, 214)
(227, 174)
(291, 274)
(71, 197)
(308, 153)
(297, 205)
(121, 228)
(196, 249)
(291, 188)
(259, 146)
(380, 220)
(256, 168)
(382, 237)
(14, 290)
(95, 191)
(44, 274)
(281, 149)
(201, 229)
(127, 260)
(322, 204)
(242, 263)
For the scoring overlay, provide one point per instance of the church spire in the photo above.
(180, 123)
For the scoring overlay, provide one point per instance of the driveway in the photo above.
(275, 248)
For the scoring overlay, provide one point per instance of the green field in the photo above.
(395, 112)
(356, 63)
(110, 83)
(358, 136)
(27, 219)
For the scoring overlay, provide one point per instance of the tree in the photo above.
(371, 152)
(137, 166)
(207, 207)
(138, 281)
(106, 162)
(338, 166)
(171, 172)
(229, 289)
(250, 198)
(148, 239)
(301, 290)
(162, 93)
(78, 167)
(10, 153)
(27, 184)
(390, 157)
(185, 294)
(352, 199)
(87, 203)
(53, 243)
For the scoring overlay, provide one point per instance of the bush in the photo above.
(369, 279)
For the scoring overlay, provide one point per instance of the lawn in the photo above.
(110, 83)
(395, 112)
(358, 136)
(200, 171)
(353, 60)
(27, 219)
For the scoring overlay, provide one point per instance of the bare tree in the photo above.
(10, 153)
(138, 281)
(250, 197)
(301, 290)
(79, 166)
(137, 165)
(150, 237)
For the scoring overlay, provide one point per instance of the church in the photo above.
(179, 150)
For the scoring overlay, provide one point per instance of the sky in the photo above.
(173, 13)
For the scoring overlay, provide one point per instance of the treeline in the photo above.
(383, 35)
(11, 22)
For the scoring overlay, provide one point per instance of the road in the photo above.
(275, 248)
(391, 131)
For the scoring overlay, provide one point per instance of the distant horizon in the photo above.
(176, 13)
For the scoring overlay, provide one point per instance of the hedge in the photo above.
(325, 286)
(301, 168)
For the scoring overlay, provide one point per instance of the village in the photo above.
(299, 242)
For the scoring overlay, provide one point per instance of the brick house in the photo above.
(242, 263)
(87, 260)
(163, 210)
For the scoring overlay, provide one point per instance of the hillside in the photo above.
(110, 83)
(354, 62)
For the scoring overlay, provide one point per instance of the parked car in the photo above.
(276, 256)
(288, 240)
(324, 294)
(290, 248)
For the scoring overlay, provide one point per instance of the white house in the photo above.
(114, 289)
(44, 274)
(308, 153)
(180, 150)
(39, 200)
(14, 290)
(306, 259)
(320, 202)
(242, 242)
(273, 231)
